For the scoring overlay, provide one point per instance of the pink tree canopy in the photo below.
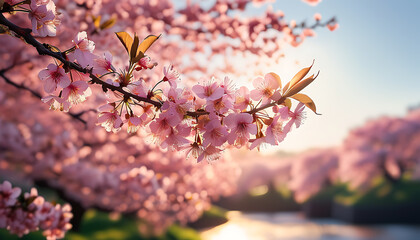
(142, 170)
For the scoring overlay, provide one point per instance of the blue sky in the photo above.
(368, 66)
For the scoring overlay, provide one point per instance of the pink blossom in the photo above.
(84, 48)
(52, 76)
(242, 100)
(267, 89)
(138, 89)
(332, 26)
(228, 87)
(177, 137)
(162, 126)
(16, 222)
(317, 17)
(8, 195)
(171, 75)
(109, 118)
(296, 117)
(210, 153)
(210, 91)
(56, 103)
(145, 63)
(178, 102)
(215, 133)
(194, 150)
(283, 111)
(312, 2)
(42, 16)
(76, 92)
(103, 65)
(78, 76)
(241, 126)
(256, 143)
(275, 132)
(133, 124)
(221, 105)
(12, 2)
(307, 32)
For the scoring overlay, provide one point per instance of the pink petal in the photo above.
(252, 128)
(256, 95)
(50, 85)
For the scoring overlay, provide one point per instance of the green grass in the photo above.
(211, 218)
(330, 192)
(98, 226)
(384, 193)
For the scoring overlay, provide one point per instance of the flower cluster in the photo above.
(22, 214)
(42, 13)
(123, 172)
(201, 120)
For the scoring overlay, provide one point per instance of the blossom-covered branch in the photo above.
(28, 212)
(202, 120)
(124, 172)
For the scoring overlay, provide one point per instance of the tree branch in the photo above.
(43, 49)
(76, 116)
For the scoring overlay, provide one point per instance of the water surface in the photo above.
(294, 226)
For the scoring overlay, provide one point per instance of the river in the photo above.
(294, 226)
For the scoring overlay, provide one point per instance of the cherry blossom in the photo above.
(332, 26)
(216, 134)
(210, 91)
(276, 132)
(241, 127)
(83, 50)
(76, 92)
(146, 63)
(103, 65)
(31, 212)
(122, 171)
(43, 18)
(242, 100)
(312, 2)
(52, 76)
(266, 88)
(109, 118)
(171, 75)
(8, 194)
(296, 116)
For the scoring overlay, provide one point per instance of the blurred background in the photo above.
(350, 173)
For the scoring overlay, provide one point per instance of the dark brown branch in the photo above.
(43, 49)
